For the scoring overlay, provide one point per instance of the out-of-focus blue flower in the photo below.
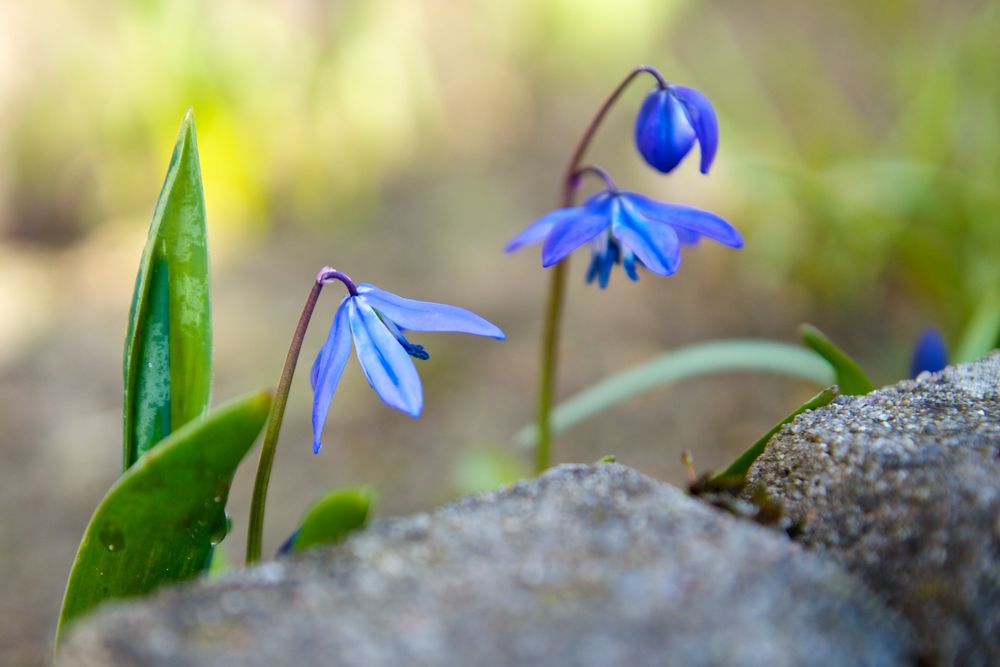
(929, 354)
(624, 228)
(669, 121)
(375, 320)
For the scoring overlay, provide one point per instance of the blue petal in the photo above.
(686, 217)
(687, 237)
(702, 116)
(328, 368)
(286, 546)
(426, 315)
(929, 354)
(540, 228)
(386, 364)
(663, 131)
(572, 232)
(656, 245)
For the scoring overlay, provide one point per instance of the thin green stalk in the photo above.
(547, 377)
(557, 284)
(256, 531)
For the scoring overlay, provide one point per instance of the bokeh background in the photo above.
(404, 141)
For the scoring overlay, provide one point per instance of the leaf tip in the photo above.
(807, 331)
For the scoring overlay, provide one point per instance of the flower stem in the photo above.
(557, 284)
(547, 377)
(274, 419)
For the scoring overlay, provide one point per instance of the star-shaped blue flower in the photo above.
(668, 123)
(624, 228)
(375, 320)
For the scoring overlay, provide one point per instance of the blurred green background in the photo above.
(404, 141)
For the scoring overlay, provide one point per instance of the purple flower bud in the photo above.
(670, 121)
(929, 354)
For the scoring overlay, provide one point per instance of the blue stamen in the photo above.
(628, 262)
(415, 351)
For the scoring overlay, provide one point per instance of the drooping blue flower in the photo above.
(375, 320)
(670, 121)
(929, 354)
(624, 228)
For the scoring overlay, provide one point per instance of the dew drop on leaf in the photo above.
(112, 538)
(220, 528)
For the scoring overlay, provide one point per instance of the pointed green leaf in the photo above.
(718, 356)
(333, 516)
(168, 347)
(982, 333)
(739, 467)
(850, 377)
(157, 523)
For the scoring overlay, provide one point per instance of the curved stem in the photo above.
(600, 174)
(557, 284)
(328, 274)
(256, 530)
(569, 180)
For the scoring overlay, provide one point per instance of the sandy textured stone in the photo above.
(902, 486)
(587, 565)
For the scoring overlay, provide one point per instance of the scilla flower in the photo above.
(670, 120)
(375, 320)
(929, 354)
(624, 228)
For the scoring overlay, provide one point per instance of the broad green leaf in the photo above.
(982, 333)
(851, 379)
(158, 522)
(739, 467)
(721, 356)
(333, 516)
(168, 346)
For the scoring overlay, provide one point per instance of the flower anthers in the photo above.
(375, 320)
(671, 118)
(624, 228)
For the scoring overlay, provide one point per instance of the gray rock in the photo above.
(587, 565)
(902, 486)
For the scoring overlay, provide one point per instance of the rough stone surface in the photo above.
(587, 565)
(902, 486)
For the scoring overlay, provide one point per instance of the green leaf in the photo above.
(333, 516)
(982, 333)
(485, 468)
(168, 347)
(219, 563)
(850, 377)
(739, 467)
(721, 356)
(158, 522)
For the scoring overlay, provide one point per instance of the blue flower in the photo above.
(929, 354)
(375, 320)
(669, 121)
(624, 228)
